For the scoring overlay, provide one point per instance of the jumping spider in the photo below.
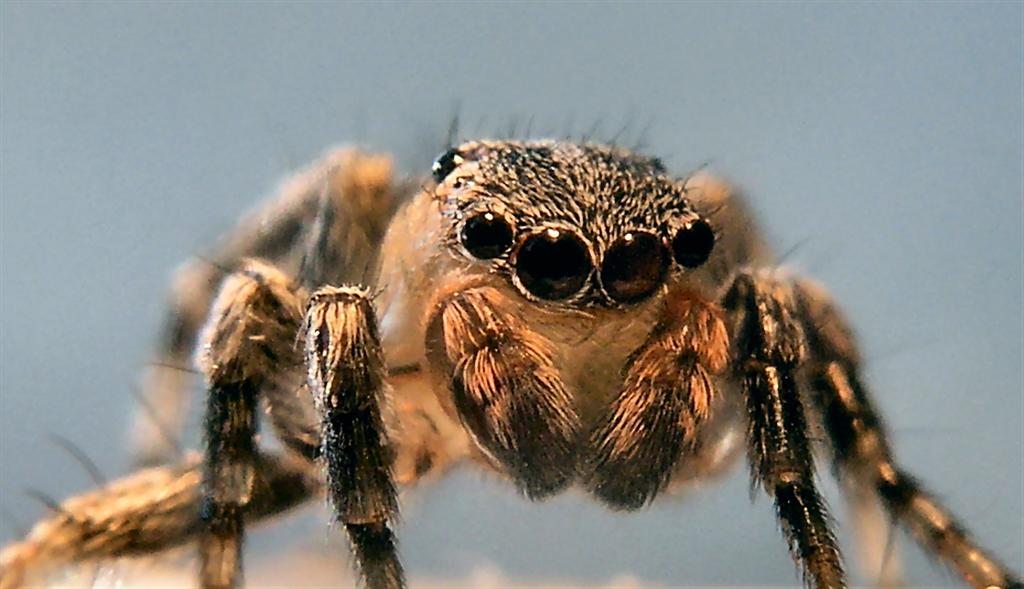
(560, 313)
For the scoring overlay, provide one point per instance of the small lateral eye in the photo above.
(553, 264)
(445, 164)
(486, 235)
(693, 243)
(634, 267)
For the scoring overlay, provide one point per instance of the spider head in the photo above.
(570, 224)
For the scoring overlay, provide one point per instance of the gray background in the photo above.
(886, 139)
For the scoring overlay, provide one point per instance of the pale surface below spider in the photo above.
(565, 315)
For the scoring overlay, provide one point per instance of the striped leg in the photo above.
(861, 448)
(770, 348)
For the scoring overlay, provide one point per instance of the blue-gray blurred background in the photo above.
(884, 140)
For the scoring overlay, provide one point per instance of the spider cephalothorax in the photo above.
(579, 224)
(559, 313)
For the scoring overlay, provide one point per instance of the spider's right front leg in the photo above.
(346, 374)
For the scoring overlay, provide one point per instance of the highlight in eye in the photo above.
(634, 266)
(693, 243)
(445, 164)
(486, 235)
(553, 264)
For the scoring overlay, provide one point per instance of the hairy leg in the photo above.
(323, 224)
(769, 346)
(150, 511)
(247, 342)
(346, 375)
(861, 448)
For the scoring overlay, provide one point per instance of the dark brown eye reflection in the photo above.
(553, 264)
(634, 267)
(486, 235)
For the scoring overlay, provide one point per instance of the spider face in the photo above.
(576, 225)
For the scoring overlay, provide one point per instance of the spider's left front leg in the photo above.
(769, 348)
(346, 374)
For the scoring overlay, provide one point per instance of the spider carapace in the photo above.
(563, 314)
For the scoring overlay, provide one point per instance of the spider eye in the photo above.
(553, 264)
(693, 243)
(486, 235)
(445, 164)
(634, 266)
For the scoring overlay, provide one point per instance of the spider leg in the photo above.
(769, 345)
(249, 337)
(874, 532)
(861, 448)
(342, 244)
(346, 375)
(667, 396)
(341, 203)
(150, 511)
(505, 388)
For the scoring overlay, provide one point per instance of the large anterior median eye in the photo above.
(486, 235)
(634, 266)
(553, 264)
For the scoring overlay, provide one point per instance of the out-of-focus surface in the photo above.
(885, 140)
(319, 570)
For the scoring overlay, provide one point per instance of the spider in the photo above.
(563, 314)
